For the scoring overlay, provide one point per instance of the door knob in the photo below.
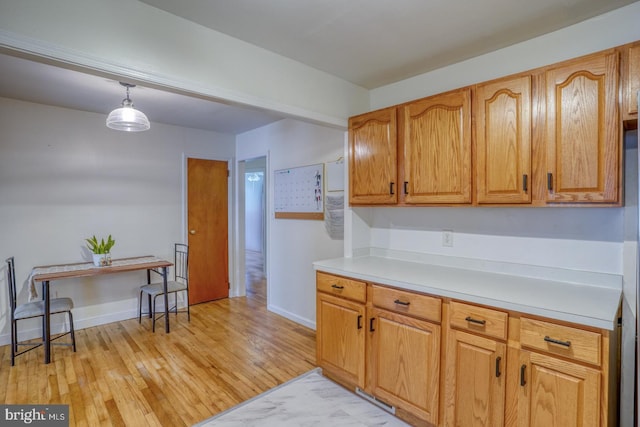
(192, 231)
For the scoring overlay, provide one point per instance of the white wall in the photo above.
(602, 32)
(573, 238)
(64, 176)
(132, 39)
(293, 245)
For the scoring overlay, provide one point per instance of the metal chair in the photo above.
(180, 283)
(31, 310)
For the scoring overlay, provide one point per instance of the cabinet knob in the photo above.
(192, 231)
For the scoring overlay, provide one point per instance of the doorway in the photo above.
(207, 225)
(255, 227)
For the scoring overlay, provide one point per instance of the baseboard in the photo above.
(293, 317)
(84, 317)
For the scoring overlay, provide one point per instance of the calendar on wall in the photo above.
(299, 192)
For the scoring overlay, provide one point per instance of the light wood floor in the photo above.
(124, 375)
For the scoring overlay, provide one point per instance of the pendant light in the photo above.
(126, 117)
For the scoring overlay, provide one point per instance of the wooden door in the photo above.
(557, 393)
(436, 149)
(474, 381)
(373, 158)
(405, 362)
(584, 149)
(207, 211)
(503, 141)
(340, 338)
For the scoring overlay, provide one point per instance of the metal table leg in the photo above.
(166, 299)
(46, 321)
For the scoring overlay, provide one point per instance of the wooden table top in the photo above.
(85, 269)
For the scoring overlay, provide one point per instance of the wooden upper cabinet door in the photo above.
(583, 140)
(436, 146)
(373, 158)
(632, 80)
(503, 141)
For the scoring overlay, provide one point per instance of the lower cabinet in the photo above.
(557, 393)
(405, 362)
(474, 389)
(340, 335)
(475, 372)
(562, 376)
(340, 340)
(442, 362)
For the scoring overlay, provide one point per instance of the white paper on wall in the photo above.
(334, 215)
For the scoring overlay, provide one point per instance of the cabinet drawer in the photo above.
(485, 321)
(417, 305)
(565, 341)
(341, 286)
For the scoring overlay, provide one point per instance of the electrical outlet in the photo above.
(447, 238)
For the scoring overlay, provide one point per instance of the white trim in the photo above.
(293, 317)
(12, 42)
(86, 317)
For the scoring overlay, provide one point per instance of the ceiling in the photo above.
(367, 42)
(31, 81)
(376, 42)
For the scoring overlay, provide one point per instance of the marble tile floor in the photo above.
(308, 400)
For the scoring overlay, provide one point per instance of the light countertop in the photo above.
(578, 297)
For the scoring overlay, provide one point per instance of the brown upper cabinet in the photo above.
(583, 141)
(436, 149)
(503, 141)
(372, 158)
(546, 137)
(632, 71)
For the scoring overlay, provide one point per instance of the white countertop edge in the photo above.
(606, 318)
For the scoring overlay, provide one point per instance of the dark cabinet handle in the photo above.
(406, 190)
(391, 188)
(523, 382)
(401, 302)
(525, 178)
(554, 341)
(476, 321)
(334, 286)
(360, 321)
(371, 324)
(498, 360)
(549, 181)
